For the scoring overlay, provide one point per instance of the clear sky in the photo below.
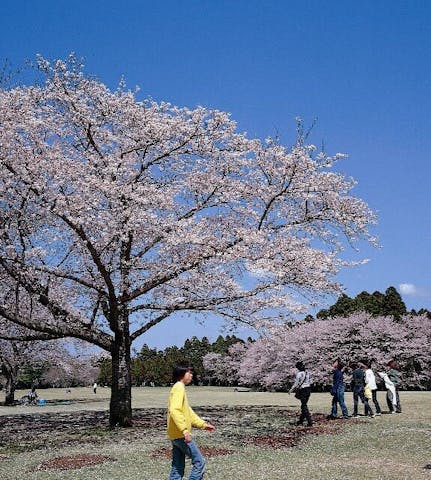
(363, 69)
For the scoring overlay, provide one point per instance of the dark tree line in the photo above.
(151, 366)
(389, 304)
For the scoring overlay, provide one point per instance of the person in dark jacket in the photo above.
(395, 377)
(358, 386)
(32, 396)
(337, 390)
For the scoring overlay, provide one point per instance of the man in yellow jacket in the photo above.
(181, 418)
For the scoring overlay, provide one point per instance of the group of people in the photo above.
(364, 388)
(181, 417)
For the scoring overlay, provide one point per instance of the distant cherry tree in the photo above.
(16, 356)
(22, 348)
(117, 213)
(223, 369)
(74, 370)
(270, 361)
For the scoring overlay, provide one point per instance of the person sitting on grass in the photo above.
(181, 418)
(32, 396)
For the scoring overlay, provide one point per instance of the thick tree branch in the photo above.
(148, 325)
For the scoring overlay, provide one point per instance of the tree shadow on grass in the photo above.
(262, 426)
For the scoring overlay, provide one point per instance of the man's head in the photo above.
(392, 364)
(338, 364)
(300, 366)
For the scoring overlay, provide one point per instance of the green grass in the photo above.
(388, 447)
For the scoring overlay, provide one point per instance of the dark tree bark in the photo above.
(120, 412)
(10, 386)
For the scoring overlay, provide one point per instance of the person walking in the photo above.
(337, 390)
(358, 388)
(370, 382)
(180, 420)
(391, 397)
(394, 376)
(302, 389)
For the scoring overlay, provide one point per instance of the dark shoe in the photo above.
(330, 417)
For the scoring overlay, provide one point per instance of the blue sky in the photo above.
(363, 69)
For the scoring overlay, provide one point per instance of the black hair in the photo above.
(300, 366)
(367, 362)
(340, 364)
(393, 364)
(180, 370)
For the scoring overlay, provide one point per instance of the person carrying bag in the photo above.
(302, 389)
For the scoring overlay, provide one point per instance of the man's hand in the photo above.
(209, 427)
(187, 437)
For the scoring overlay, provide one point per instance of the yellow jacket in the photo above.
(181, 416)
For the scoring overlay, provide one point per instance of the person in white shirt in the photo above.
(302, 387)
(370, 382)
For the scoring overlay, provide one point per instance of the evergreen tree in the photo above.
(393, 304)
(377, 304)
(343, 307)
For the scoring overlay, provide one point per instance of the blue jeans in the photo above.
(339, 398)
(181, 450)
(358, 393)
(375, 401)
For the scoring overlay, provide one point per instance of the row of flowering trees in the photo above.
(269, 362)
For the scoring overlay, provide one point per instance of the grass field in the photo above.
(255, 438)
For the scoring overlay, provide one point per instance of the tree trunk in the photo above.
(120, 410)
(9, 387)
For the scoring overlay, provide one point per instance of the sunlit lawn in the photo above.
(387, 447)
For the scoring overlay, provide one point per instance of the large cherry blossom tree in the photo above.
(117, 213)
